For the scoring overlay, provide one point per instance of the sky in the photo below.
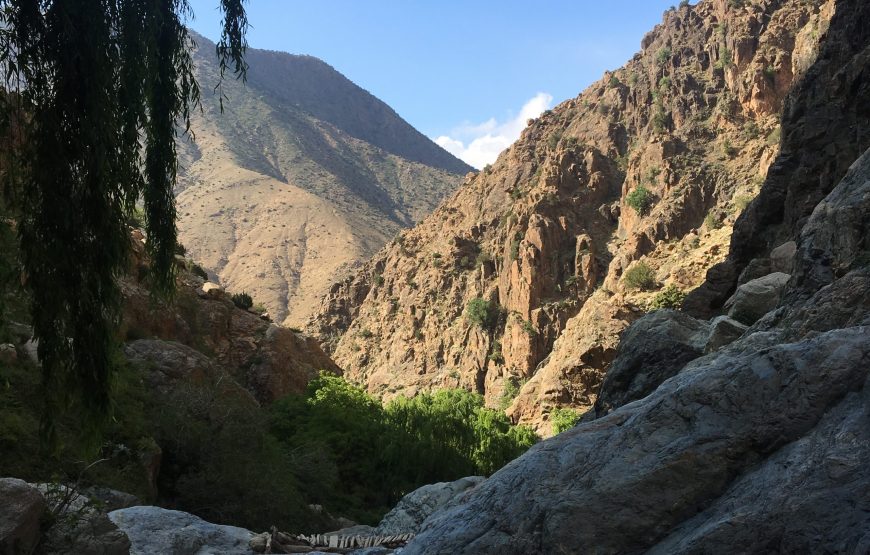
(466, 73)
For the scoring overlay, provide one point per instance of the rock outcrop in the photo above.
(21, 509)
(757, 447)
(157, 531)
(646, 170)
(200, 327)
(408, 515)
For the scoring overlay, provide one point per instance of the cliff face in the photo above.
(759, 445)
(298, 177)
(647, 168)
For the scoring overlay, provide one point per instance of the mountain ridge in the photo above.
(275, 201)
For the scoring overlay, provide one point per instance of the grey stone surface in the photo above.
(157, 531)
(755, 298)
(723, 330)
(80, 524)
(651, 350)
(21, 507)
(782, 257)
(621, 482)
(407, 516)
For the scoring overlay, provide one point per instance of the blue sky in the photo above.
(459, 71)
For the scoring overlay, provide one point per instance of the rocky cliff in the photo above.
(519, 285)
(296, 177)
(759, 445)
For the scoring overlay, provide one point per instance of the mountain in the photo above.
(758, 446)
(301, 178)
(519, 285)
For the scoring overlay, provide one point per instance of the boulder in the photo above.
(21, 509)
(79, 523)
(723, 330)
(407, 516)
(651, 350)
(755, 298)
(211, 290)
(769, 414)
(782, 257)
(158, 531)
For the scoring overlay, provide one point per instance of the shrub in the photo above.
(640, 277)
(614, 81)
(553, 139)
(640, 199)
(663, 55)
(529, 328)
(728, 149)
(741, 202)
(511, 389)
(563, 418)
(482, 313)
(197, 270)
(515, 247)
(495, 353)
(712, 222)
(378, 280)
(661, 120)
(664, 83)
(379, 453)
(243, 301)
(774, 136)
(670, 297)
(684, 3)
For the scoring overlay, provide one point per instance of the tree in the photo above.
(99, 88)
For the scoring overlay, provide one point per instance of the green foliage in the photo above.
(684, 3)
(243, 301)
(640, 277)
(614, 81)
(741, 202)
(103, 103)
(670, 297)
(482, 313)
(563, 418)
(663, 55)
(661, 120)
(774, 137)
(529, 328)
(378, 280)
(553, 139)
(515, 246)
(728, 149)
(511, 389)
(712, 221)
(495, 353)
(640, 199)
(380, 453)
(664, 83)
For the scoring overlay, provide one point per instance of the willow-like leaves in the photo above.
(103, 88)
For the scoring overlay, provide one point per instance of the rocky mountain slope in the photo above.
(519, 285)
(759, 445)
(301, 178)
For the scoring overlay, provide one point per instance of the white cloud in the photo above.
(480, 144)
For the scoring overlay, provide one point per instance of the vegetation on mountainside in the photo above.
(369, 455)
(93, 114)
(563, 418)
(670, 297)
(484, 314)
(640, 277)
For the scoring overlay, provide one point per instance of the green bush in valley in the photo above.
(640, 199)
(640, 277)
(670, 297)
(711, 221)
(563, 418)
(381, 453)
(243, 301)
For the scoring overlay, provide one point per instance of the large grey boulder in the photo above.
(651, 350)
(723, 330)
(407, 516)
(21, 508)
(755, 298)
(621, 483)
(782, 257)
(158, 531)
